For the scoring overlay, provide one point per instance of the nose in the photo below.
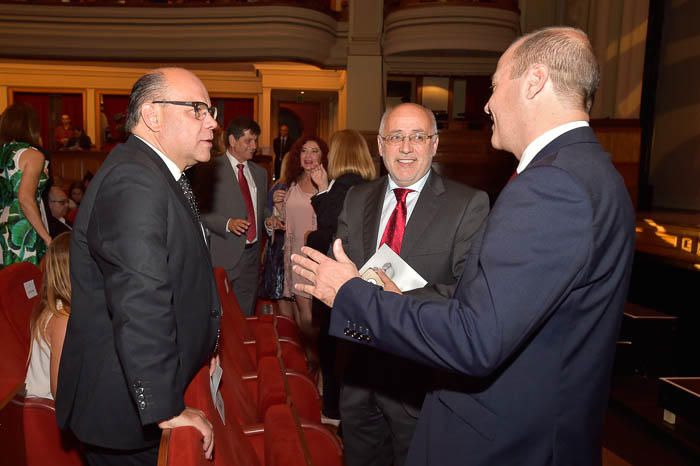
(405, 147)
(487, 110)
(210, 122)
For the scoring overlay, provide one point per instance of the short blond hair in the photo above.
(349, 153)
(569, 56)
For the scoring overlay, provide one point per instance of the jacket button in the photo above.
(142, 405)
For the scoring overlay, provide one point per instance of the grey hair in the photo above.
(148, 87)
(428, 112)
(569, 56)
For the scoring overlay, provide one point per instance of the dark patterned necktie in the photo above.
(395, 227)
(187, 191)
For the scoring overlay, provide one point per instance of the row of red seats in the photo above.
(28, 431)
(272, 407)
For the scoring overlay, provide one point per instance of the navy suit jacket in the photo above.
(529, 339)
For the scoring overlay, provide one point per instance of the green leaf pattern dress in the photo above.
(18, 239)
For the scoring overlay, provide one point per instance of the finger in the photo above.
(305, 262)
(315, 255)
(339, 252)
(309, 275)
(306, 288)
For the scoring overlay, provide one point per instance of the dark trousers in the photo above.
(327, 358)
(98, 456)
(377, 429)
(244, 278)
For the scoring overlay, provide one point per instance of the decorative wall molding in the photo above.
(456, 29)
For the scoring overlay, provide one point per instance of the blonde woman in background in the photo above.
(349, 164)
(49, 321)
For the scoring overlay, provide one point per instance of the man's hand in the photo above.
(195, 418)
(237, 226)
(389, 285)
(325, 274)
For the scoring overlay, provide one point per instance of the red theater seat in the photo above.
(44, 443)
(19, 287)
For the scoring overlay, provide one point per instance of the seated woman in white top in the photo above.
(49, 321)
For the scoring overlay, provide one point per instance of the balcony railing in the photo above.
(393, 5)
(325, 6)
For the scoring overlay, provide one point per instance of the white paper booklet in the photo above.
(396, 268)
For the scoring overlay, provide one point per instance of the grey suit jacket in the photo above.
(444, 227)
(219, 196)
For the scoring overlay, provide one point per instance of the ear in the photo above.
(535, 80)
(231, 140)
(380, 146)
(151, 117)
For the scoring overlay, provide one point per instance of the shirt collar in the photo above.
(174, 169)
(234, 161)
(541, 141)
(417, 186)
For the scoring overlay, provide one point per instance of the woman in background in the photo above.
(49, 321)
(349, 163)
(307, 156)
(272, 286)
(23, 177)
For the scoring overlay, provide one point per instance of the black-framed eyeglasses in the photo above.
(200, 108)
(413, 138)
(60, 201)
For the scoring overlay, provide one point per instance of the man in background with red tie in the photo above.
(232, 191)
(432, 223)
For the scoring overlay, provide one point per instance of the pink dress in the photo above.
(299, 218)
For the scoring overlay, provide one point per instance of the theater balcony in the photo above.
(454, 36)
(141, 30)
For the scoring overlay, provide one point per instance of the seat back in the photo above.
(231, 447)
(11, 432)
(44, 442)
(232, 319)
(19, 293)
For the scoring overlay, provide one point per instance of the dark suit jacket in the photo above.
(220, 198)
(327, 207)
(56, 227)
(535, 327)
(144, 309)
(441, 231)
(280, 150)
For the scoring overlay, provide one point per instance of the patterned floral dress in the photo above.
(19, 240)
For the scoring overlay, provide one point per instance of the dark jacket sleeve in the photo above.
(327, 207)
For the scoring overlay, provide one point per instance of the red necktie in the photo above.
(395, 227)
(245, 190)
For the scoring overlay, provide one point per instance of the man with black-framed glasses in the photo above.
(432, 223)
(145, 312)
(58, 208)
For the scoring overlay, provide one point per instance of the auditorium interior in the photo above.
(323, 65)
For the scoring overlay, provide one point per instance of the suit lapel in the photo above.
(174, 186)
(373, 213)
(426, 208)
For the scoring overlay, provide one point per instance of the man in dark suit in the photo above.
(58, 208)
(233, 192)
(145, 313)
(281, 146)
(533, 332)
(382, 394)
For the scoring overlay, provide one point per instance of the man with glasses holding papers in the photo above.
(432, 223)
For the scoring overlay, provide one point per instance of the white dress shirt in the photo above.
(390, 203)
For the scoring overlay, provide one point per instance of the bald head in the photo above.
(567, 53)
(58, 202)
(408, 107)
